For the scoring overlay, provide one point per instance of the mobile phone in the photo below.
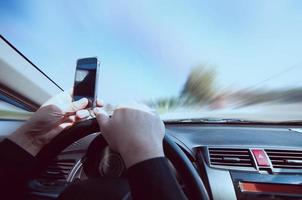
(86, 80)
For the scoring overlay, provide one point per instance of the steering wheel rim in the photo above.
(188, 173)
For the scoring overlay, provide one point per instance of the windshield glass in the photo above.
(186, 59)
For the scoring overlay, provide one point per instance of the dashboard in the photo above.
(234, 161)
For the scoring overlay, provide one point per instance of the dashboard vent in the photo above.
(57, 171)
(230, 157)
(285, 159)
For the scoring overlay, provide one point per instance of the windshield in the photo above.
(186, 59)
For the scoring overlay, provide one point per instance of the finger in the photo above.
(65, 125)
(82, 114)
(100, 103)
(71, 118)
(102, 118)
(77, 105)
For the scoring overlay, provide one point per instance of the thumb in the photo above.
(102, 117)
(77, 105)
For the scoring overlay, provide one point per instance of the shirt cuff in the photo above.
(146, 164)
(13, 154)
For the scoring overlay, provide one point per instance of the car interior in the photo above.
(212, 159)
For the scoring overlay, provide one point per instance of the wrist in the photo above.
(23, 139)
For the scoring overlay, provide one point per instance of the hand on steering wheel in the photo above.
(136, 133)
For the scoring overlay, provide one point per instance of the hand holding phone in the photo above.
(86, 80)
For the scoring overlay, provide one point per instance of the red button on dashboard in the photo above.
(261, 157)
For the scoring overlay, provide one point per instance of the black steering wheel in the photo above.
(195, 188)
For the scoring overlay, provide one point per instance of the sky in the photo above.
(147, 48)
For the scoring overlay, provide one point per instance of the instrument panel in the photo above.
(235, 162)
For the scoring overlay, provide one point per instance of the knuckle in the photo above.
(51, 108)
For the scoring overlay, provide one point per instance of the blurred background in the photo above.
(185, 58)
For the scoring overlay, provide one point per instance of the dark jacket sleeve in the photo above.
(153, 179)
(16, 166)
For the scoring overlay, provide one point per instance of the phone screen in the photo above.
(85, 80)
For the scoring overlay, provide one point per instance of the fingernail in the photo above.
(82, 113)
(96, 110)
(83, 100)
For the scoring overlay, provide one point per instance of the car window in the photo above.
(11, 109)
(237, 60)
